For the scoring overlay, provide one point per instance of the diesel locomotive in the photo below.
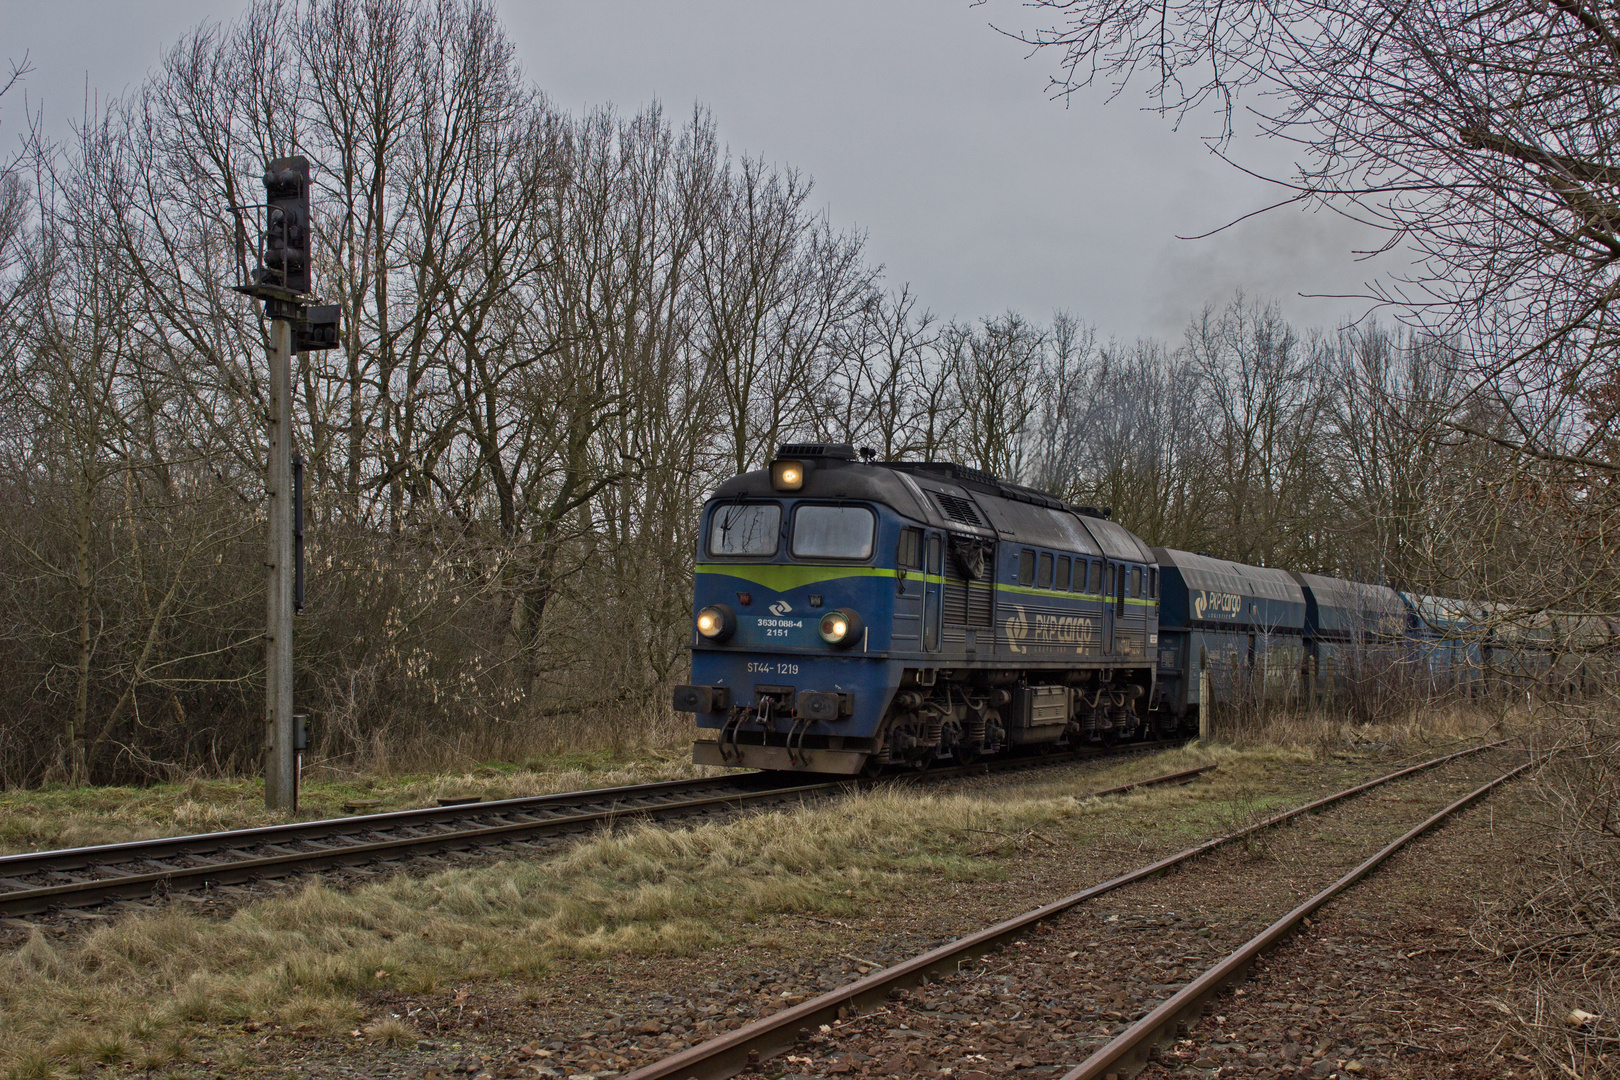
(851, 615)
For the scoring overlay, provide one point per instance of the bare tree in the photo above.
(877, 390)
(560, 333)
(1265, 403)
(1480, 135)
(1133, 443)
(998, 366)
(14, 208)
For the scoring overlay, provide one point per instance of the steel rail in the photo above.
(731, 1053)
(236, 856)
(1184, 776)
(74, 858)
(1131, 1050)
(233, 871)
(292, 832)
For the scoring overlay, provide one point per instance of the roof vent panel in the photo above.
(836, 451)
(958, 509)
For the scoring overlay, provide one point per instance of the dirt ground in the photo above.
(1391, 984)
(1387, 983)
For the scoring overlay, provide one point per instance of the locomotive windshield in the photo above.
(833, 532)
(745, 529)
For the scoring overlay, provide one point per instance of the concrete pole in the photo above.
(1203, 694)
(280, 769)
(1310, 685)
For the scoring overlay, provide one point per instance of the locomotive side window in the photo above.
(1044, 579)
(933, 554)
(1153, 583)
(1062, 582)
(1026, 567)
(1096, 578)
(909, 555)
(745, 529)
(833, 532)
(1136, 582)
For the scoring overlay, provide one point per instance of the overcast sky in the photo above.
(920, 124)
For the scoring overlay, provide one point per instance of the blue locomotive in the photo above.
(851, 614)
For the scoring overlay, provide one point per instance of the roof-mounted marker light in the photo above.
(787, 475)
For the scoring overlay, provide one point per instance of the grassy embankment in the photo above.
(148, 990)
(39, 819)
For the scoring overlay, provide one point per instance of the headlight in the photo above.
(716, 622)
(841, 627)
(787, 475)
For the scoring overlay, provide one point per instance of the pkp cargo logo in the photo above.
(1216, 605)
(1017, 629)
(781, 607)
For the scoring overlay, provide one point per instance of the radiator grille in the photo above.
(958, 509)
(968, 603)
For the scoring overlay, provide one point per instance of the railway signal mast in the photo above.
(282, 282)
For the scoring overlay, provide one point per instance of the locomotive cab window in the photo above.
(1153, 583)
(1044, 579)
(833, 532)
(747, 529)
(1062, 582)
(909, 555)
(1026, 567)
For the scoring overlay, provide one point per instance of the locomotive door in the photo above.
(933, 585)
(1108, 606)
(1121, 630)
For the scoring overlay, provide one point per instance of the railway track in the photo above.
(1125, 1052)
(35, 882)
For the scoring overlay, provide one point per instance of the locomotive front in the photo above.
(793, 605)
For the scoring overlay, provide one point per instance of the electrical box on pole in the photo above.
(318, 329)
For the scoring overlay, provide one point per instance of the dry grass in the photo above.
(1558, 939)
(137, 990)
(141, 990)
(1413, 726)
(389, 1032)
(53, 817)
